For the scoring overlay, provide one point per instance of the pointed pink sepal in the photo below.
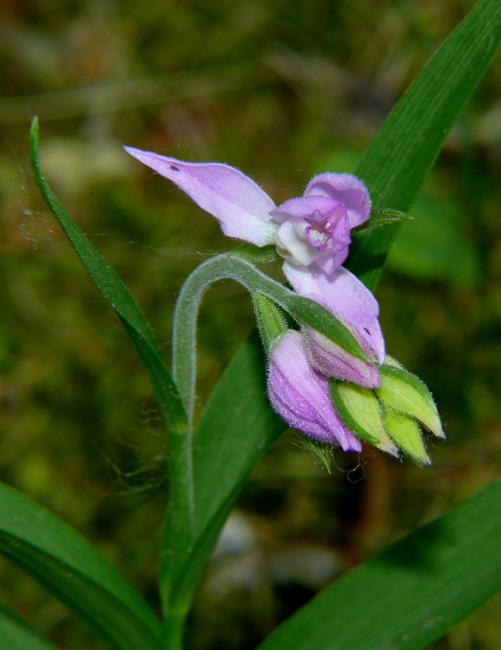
(241, 206)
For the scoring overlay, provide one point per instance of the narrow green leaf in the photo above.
(17, 634)
(411, 594)
(403, 152)
(118, 296)
(75, 572)
(136, 325)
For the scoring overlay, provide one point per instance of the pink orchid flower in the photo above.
(311, 233)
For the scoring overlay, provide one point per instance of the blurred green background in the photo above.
(281, 90)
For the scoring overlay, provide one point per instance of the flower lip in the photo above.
(313, 229)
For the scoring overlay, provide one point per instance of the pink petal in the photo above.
(300, 394)
(347, 298)
(334, 361)
(329, 263)
(344, 188)
(301, 207)
(240, 205)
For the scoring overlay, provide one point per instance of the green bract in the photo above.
(405, 432)
(391, 413)
(360, 411)
(407, 394)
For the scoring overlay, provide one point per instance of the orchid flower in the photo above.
(309, 231)
(313, 383)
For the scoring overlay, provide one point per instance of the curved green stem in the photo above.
(235, 267)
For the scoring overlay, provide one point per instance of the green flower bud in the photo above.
(389, 416)
(390, 361)
(407, 394)
(360, 410)
(405, 432)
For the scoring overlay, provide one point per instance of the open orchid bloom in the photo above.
(310, 231)
(353, 304)
(300, 393)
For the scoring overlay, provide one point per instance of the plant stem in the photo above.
(177, 543)
(173, 631)
(235, 267)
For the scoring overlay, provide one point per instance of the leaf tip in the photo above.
(34, 128)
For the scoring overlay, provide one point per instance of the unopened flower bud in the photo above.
(300, 393)
(405, 432)
(361, 412)
(334, 361)
(405, 393)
